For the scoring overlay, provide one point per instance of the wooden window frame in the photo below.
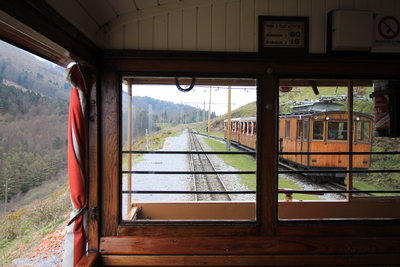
(268, 237)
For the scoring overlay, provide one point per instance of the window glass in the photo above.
(167, 172)
(362, 130)
(339, 174)
(337, 130)
(287, 128)
(318, 130)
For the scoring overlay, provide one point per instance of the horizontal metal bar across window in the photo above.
(186, 192)
(338, 191)
(190, 172)
(339, 171)
(339, 153)
(187, 152)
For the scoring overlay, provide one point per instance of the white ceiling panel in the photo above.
(75, 14)
(142, 4)
(99, 10)
(122, 6)
(163, 2)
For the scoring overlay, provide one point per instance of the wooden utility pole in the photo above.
(350, 129)
(228, 123)
(209, 115)
(129, 147)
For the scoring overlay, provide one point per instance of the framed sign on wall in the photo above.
(283, 35)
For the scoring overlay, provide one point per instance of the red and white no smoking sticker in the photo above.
(388, 27)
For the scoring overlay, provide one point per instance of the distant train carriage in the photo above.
(315, 127)
(243, 131)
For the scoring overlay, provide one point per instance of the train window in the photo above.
(287, 129)
(179, 161)
(299, 129)
(337, 130)
(339, 174)
(318, 130)
(363, 130)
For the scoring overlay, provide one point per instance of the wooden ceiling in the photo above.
(92, 17)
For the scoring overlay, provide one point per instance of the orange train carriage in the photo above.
(314, 130)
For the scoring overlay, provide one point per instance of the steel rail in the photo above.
(193, 175)
(198, 146)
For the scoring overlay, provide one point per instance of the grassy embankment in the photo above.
(247, 163)
(21, 230)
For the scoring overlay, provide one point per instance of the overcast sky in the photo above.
(199, 95)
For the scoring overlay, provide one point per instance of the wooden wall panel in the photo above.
(276, 7)
(232, 33)
(189, 29)
(204, 28)
(146, 33)
(331, 5)
(218, 17)
(261, 9)
(174, 30)
(227, 25)
(160, 32)
(290, 7)
(132, 35)
(247, 26)
(304, 8)
(116, 38)
(346, 4)
(317, 27)
(361, 4)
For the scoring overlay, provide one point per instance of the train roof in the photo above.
(242, 119)
(310, 113)
(323, 103)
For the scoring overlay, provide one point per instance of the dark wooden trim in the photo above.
(267, 152)
(256, 245)
(338, 227)
(252, 260)
(93, 166)
(184, 229)
(122, 55)
(89, 260)
(110, 100)
(43, 19)
(27, 41)
(314, 66)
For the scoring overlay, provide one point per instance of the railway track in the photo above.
(205, 182)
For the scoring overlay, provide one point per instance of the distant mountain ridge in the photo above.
(28, 71)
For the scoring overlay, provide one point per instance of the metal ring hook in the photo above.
(185, 89)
